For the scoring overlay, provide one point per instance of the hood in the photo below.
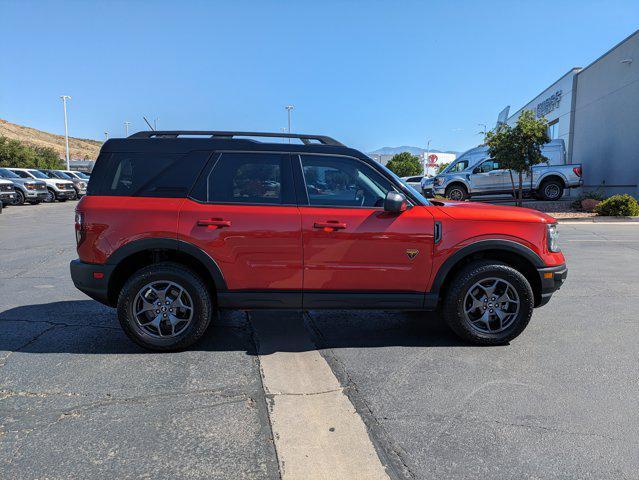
(494, 213)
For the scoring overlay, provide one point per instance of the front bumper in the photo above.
(84, 278)
(552, 278)
(8, 197)
(66, 194)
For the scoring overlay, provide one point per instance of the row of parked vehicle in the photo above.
(30, 185)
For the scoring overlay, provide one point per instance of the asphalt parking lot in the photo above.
(78, 399)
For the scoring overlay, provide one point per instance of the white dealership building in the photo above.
(595, 110)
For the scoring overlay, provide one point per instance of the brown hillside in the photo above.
(79, 148)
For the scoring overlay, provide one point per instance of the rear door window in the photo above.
(251, 178)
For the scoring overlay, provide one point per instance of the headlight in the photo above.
(61, 186)
(30, 186)
(553, 237)
(82, 185)
(439, 181)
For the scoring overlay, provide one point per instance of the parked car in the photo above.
(80, 186)
(26, 189)
(76, 174)
(474, 173)
(7, 192)
(57, 189)
(176, 225)
(414, 182)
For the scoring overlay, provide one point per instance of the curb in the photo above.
(598, 220)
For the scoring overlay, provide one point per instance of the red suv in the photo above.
(177, 225)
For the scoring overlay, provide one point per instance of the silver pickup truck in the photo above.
(474, 173)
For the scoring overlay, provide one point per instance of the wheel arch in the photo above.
(553, 176)
(140, 253)
(508, 252)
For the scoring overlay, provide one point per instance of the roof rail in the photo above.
(306, 139)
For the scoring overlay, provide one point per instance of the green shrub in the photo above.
(618, 206)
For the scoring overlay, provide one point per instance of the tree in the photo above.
(405, 164)
(441, 167)
(14, 153)
(518, 148)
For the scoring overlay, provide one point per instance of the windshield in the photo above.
(7, 173)
(80, 175)
(37, 174)
(62, 175)
(454, 167)
(405, 187)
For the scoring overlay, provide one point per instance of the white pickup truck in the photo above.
(474, 173)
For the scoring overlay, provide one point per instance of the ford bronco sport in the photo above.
(178, 224)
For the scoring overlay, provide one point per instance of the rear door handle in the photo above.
(330, 225)
(214, 222)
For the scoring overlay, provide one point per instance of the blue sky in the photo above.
(368, 73)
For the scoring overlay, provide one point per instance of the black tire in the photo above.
(457, 192)
(551, 190)
(203, 308)
(19, 198)
(51, 197)
(453, 306)
(35, 202)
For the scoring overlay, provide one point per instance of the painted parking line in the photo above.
(317, 432)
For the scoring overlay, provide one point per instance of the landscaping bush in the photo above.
(592, 195)
(589, 204)
(618, 206)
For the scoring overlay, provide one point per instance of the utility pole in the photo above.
(66, 126)
(427, 160)
(126, 128)
(288, 110)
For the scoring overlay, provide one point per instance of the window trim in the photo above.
(214, 159)
(409, 201)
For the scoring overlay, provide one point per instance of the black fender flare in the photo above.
(479, 246)
(160, 243)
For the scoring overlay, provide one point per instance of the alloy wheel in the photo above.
(491, 305)
(163, 309)
(552, 191)
(456, 194)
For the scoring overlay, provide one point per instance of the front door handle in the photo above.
(330, 225)
(214, 222)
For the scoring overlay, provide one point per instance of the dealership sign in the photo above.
(550, 104)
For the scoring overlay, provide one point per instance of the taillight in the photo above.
(577, 171)
(79, 227)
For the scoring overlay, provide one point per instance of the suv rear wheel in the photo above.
(165, 307)
(488, 303)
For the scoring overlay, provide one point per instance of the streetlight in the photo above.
(155, 123)
(126, 128)
(66, 126)
(106, 136)
(288, 110)
(426, 160)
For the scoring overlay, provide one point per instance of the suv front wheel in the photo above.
(165, 307)
(488, 303)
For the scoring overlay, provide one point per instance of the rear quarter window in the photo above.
(168, 175)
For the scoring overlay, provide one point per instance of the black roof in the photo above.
(181, 141)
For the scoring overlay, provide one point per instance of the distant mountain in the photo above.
(405, 148)
(79, 148)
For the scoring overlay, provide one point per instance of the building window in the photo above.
(553, 130)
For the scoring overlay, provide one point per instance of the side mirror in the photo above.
(394, 202)
(477, 170)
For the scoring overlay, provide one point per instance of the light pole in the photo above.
(155, 123)
(288, 110)
(106, 136)
(126, 128)
(426, 160)
(66, 126)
